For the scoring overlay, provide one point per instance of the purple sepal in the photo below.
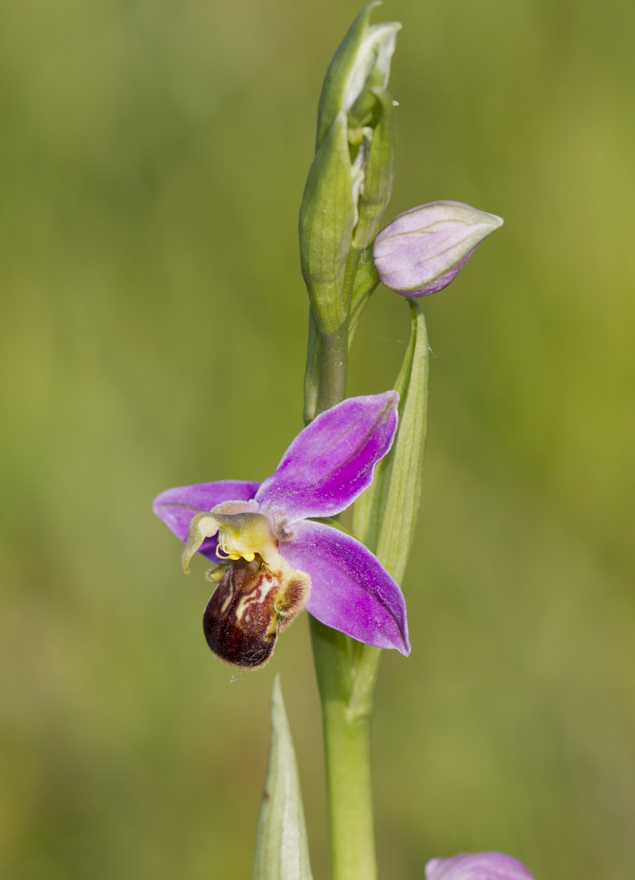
(422, 250)
(439, 283)
(350, 589)
(177, 507)
(331, 462)
(478, 866)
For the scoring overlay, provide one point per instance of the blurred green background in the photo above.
(152, 160)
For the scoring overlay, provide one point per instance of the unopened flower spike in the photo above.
(477, 866)
(351, 177)
(361, 63)
(276, 560)
(422, 250)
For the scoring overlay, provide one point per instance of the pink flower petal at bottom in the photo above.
(478, 866)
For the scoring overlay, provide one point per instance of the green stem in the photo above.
(333, 364)
(346, 670)
(312, 371)
(347, 705)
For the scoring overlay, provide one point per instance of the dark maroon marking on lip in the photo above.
(267, 604)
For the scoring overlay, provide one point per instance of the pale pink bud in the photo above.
(424, 249)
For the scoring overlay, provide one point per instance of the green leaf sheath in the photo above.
(386, 514)
(403, 498)
(282, 851)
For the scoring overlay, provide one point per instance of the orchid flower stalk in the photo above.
(276, 546)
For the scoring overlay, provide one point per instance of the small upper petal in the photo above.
(177, 507)
(477, 866)
(332, 460)
(350, 589)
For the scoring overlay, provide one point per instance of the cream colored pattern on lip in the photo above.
(227, 601)
(259, 594)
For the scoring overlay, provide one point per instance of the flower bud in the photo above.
(422, 250)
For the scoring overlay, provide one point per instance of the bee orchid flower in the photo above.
(273, 558)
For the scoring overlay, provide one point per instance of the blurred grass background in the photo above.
(152, 160)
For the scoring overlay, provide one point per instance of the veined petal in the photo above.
(350, 590)
(332, 460)
(177, 507)
(478, 866)
(424, 249)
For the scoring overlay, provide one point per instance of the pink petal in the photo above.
(477, 866)
(350, 589)
(332, 460)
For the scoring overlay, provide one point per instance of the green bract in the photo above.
(327, 217)
(282, 851)
(386, 514)
(362, 62)
(366, 281)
